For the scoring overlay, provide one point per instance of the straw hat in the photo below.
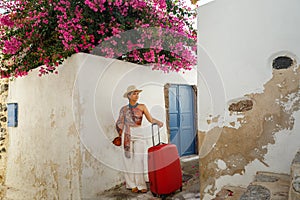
(131, 88)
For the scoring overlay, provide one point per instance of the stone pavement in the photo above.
(190, 185)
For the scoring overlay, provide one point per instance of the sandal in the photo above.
(135, 190)
(144, 191)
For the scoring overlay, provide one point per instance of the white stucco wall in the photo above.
(101, 85)
(237, 42)
(62, 145)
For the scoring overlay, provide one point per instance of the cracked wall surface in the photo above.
(272, 111)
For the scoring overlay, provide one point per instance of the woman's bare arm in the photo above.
(149, 117)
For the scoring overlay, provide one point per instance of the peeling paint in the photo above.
(221, 164)
(52, 119)
(234, 120)
(213, 120)
(272, 112)
(72, 131)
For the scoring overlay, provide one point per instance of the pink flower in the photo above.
(5, 20)
(149, 56)
(115, 31)
(45, 21)
(75, 32)
(135, 55)
(11, 46)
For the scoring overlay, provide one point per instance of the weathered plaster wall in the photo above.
(238, 41)
(44, 152)
(273, 115)
(3, 134)
(62, 146)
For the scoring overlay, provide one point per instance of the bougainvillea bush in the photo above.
(43, 33)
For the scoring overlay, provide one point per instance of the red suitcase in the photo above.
(164, 170)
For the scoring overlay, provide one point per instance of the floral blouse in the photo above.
(128, 117)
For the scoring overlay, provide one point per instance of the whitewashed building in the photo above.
(249, 117)
(62, 145)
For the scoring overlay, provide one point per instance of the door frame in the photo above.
(166, 94)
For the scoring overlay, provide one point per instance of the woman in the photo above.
(129, 123)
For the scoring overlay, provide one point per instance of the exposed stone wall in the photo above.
(266, 113)
(3, 133)
(241, 106)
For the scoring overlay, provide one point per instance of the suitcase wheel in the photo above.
(154, 194)
(162, 196)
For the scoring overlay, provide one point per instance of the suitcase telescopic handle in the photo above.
(155, 124)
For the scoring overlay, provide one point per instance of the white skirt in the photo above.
(134, 166)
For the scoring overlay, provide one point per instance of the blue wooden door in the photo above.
(181, 118)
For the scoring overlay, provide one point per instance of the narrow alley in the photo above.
(190, 185)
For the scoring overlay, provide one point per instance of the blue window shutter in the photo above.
(12, 114)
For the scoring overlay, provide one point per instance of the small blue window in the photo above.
(12, 114)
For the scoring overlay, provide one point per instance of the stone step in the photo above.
(294, 193)
(268, 185)
(230, 193)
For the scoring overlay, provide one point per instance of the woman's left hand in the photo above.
(160, 124)
(117, 141)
